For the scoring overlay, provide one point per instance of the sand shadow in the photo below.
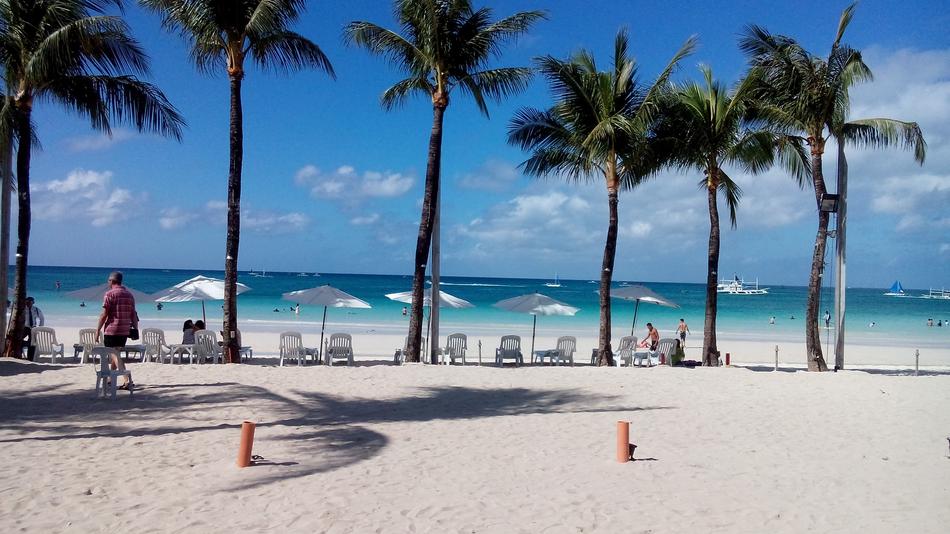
(14, 366)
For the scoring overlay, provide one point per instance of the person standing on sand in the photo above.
(116, 320)
(827, 320)
(34, 317)
(682, 330)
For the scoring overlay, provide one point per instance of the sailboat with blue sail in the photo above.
(896, 290)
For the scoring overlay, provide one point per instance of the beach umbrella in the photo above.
(536, 304)
(98, 292)
(445, 300)
(198, 288)
(328, 297)
(640, 294)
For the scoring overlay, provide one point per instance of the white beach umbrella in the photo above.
(536, 304)
(445, 300)
(328, 297)
(198, 288)
(640, 294)
(97, 293)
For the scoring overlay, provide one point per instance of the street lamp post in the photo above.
(834, 203)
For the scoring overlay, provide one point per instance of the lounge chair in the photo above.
(340, 346)
(44, 339)
(455, 346)
(206, 346)
(509, 348)
(565, 349)
(155, 346)
(291, 347)
(400, 356)
(624, 354)
(244, 351)
(652, 357)
(106, 377)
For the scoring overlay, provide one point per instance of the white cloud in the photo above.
(346, 182)
(273, 223)
(98, 142)
(365, 219)
(252, 220)
(84, 195)
(493, 175)
(175, 218)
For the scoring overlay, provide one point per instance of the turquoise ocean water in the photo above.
(740, 317)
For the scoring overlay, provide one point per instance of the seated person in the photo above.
(188, 333)
(652, 339)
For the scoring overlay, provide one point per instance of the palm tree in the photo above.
(71, 52)
(599, 124)
(6, 194)
(808, 94)
(223, 34)
(446, 45)
(711, 127)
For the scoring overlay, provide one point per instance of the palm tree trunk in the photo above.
(816, 361)
(424, 239)
(710, 349)
(6, 178)
(606, 275)
(232, 353)
(15, 335)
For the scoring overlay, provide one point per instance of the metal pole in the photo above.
(636, 308)
(776, 357)
(436, 257)
(916, 362)
(204, 319)
(533, 326)
(840, 256)
(322, 328)
(479, 352)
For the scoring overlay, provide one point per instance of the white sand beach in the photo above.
(423, 448)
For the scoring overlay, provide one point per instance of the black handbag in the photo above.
(133, 332)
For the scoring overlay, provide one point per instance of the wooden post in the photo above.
(727, 359)
(247, 443)
(776, 357)
(623, 441)
(479, 352)
(916, 362)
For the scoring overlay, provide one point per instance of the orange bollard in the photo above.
(623, 441)
(247, 443)
(727, 359)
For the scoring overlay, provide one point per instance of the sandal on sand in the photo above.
(127, 385)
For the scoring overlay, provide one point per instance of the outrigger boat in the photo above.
(737, 286)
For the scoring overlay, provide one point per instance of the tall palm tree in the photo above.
(599, 124)
(445, 45)
(809, 95)
(712, 127)
(6, 198)
(73, 53)
(224, 34)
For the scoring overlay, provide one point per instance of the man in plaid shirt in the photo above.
(118, 317)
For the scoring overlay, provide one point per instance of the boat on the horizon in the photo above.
(896, 290)
(555, 283)
(942, 294)
(737, 286)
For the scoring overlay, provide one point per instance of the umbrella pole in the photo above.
(204, 318)
(636, 308)
(534, 325)
(322, 328)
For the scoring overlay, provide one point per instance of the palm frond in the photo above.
(396, 95)
(882, 133)
(732, 193)
(288, 51)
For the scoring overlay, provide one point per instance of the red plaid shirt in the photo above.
(120, 311)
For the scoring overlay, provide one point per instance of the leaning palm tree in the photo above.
(809, 95)
(711, 127)
(598, 125)
(223, 35)
(73, 53)
(445, 45)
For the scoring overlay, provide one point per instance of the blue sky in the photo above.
(333, 183)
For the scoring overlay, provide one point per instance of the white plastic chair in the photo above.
(652, 357)
(510, 347)
(291, 347)
(400, 356)
(565, 349)
(44, 339)
(340, 346)
(106, 377)
(155, 346)
(206, 346)
(624, 354)
(87, 340)
(455, 346)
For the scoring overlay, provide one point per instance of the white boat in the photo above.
(942, 294)
(896, 290)
(555, 283)
(737, 286)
